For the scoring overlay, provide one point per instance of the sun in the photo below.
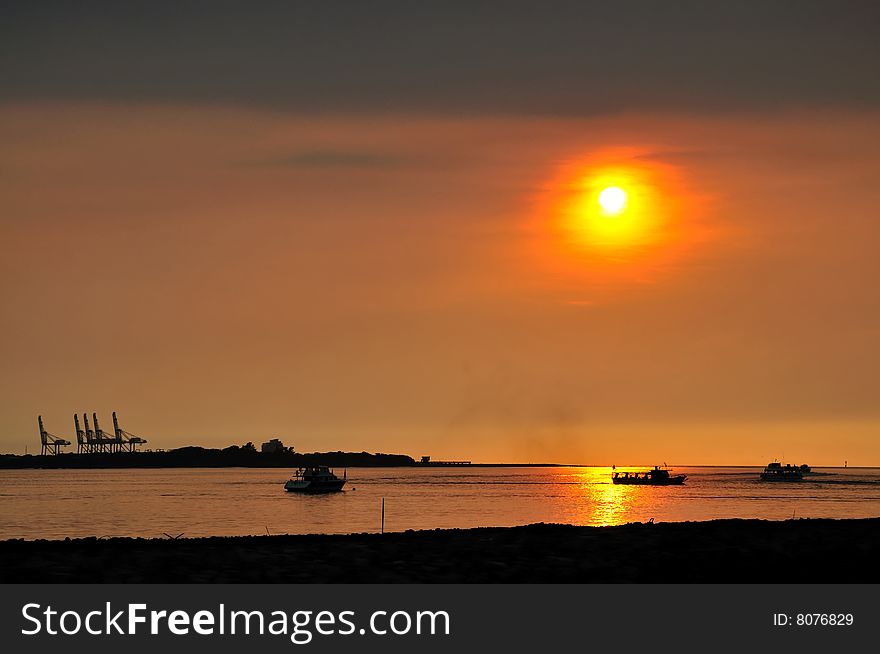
(607, 206)
(617, 215)
(612, 200)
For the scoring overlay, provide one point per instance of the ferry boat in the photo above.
(777, 472)
(656, 477)
(314, 479)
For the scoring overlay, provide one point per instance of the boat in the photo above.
(775, 471)
(656, 477)
(314, 479)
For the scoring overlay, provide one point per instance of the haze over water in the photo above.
(234, 501)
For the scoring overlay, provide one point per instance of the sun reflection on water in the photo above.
(601, 503)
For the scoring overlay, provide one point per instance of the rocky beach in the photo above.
(718, 551)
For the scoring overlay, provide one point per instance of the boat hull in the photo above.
(775, 471)
(328, 486)
(672, 481)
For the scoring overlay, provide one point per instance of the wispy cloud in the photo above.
(681, 156)
(332, 158)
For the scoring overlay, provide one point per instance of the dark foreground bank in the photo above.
(742, 551)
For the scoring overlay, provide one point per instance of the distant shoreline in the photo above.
(198, 457)
(718, 551)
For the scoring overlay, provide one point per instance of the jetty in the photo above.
(426, 461)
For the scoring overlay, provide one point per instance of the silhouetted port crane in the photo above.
(49, 442)
(124, 440)
(82, 445)
(93, 440)
(99, 441)
(106, 442)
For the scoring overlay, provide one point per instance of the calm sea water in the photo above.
(237, 501)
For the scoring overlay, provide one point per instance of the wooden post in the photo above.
(383, 515)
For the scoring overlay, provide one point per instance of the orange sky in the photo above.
(219, 274)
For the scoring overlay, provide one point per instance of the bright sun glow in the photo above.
(599, 214)
(616, 215)
(612, 200)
